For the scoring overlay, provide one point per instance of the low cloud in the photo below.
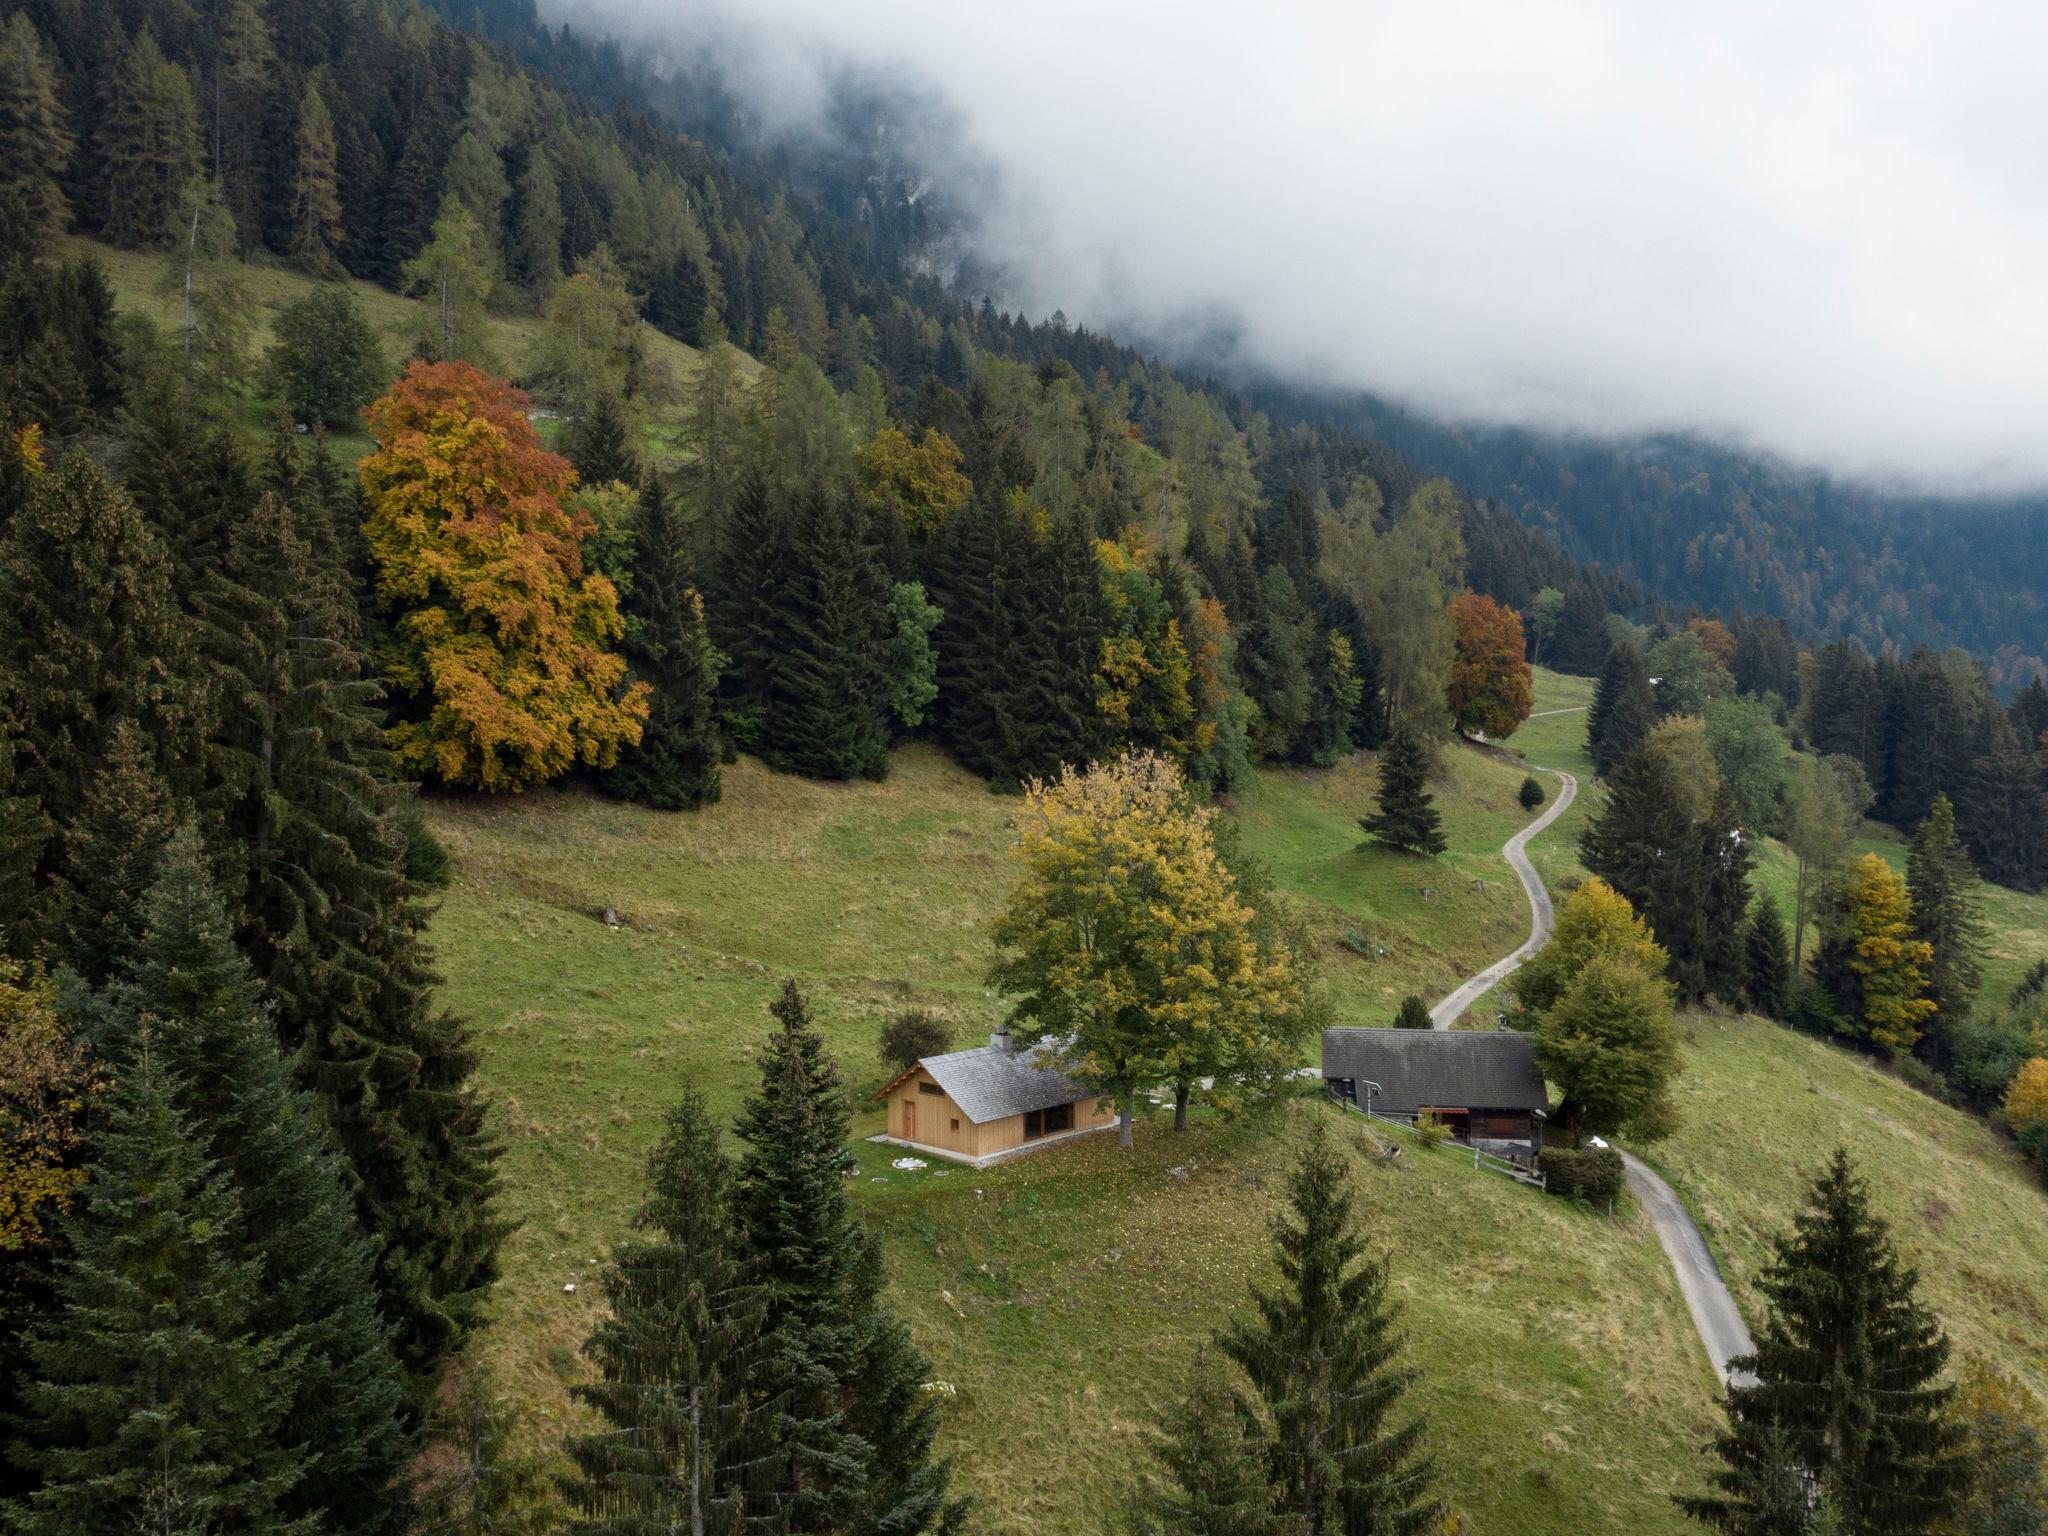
(1821, 230)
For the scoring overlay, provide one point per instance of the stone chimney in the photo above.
(1000, 1040)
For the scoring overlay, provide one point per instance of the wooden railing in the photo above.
(1480, 1159)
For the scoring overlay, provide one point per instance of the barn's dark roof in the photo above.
(1437, 1068)
(990, 1083)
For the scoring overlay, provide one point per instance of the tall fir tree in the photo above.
(1725, 902)
(1406, 815)
(1214, 1474)
(675, 766)
(2004, 813)
(113, 853)
(1845, 1383)
(189, 992)
(153, 1391)
(90, 636)
(1767, 988)
(35, 139)
(827, 709)
(1948, 916)
(148, 141)
(744, 604)
(310, 843)
(1323, 1356)
(600, 445)
(316, 197)
(853, 1426)
(686, 1445)
(1646, 845)
(24, 831)
(1623, 709)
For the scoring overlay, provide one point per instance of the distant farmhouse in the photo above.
(989, 1103)
(1483, 1085)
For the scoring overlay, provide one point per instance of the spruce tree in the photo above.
(1407, 816)
(1948, 915)
(310, 843)
(1845, 1381)
(316, 198)
(35, 140)
(982, 638)
(744, 604)
(1767, 988)
(1322, 1356)
(827, 708)
(1053, 586)
(1648, 848)
(153, 1390)
(1214, 1476)
(600, 445)
(90, 635)
(686, 1445)
(112, 856)
(187, 989)
(675, 766)
(23, 834)
(853, 1428)
(1623, 708)
(2004, 814)
(1724, 899)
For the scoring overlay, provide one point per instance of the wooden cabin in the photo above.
(988, 1103)
(1482, 1084)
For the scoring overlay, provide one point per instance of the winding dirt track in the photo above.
(1714, 1313)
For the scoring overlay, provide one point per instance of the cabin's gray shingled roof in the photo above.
(990, 1083)
(1437, 1068)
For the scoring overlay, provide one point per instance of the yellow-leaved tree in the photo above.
(1891, 962)
(45, 1082)
(1126, 939)
(1596, 919)
(501, 645)
(2026, 1105)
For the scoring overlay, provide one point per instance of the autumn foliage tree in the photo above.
(1490, 689)
(1889, 961)
(1125, 935)
(501, 646)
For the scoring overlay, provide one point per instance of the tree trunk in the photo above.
(1798, 920)
(1123, 1115)
(1180, 1106)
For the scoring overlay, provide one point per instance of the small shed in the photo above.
(991, 1102)
(1482, 1084)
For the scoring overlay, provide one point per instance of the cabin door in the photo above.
(909, 1131)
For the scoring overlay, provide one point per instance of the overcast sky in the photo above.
(1819, 228)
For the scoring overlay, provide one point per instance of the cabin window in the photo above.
(956, 1125)
(931, 1088)
(1046, 1122)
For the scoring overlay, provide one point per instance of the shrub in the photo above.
(909, 1037)
(325, 363)
(1591, 1174)
(1431, 1131)
(1532, 794)
(1414, 1014)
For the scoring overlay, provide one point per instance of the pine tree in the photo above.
(675, 767)
(540, 225)
(113, 852)
(90, 635)
(1322, 1357)
(1768, 954)
(35, 141)
(853, 1428)
(1648, 848)
(1058, 623)
(1947, 916)
(826, 707)
(2004, 814)
(24, 832)
(316, 198)
(686, 1446)
(1213, 1458)
(312, 850)
(745, 607)
(1338, 690)
(1725, 905)
(190, 993)
(1846, 1380)
(1623, 709)
(1407, 816)
(1413, 1014)
(148, 139)
(599, 445)
(153, 1390)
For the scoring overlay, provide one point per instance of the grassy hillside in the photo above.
(134, 277)
(1064, 1298)
(1765, 1107)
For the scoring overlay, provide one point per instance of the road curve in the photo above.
(1714, 1313)
(1447, 1012)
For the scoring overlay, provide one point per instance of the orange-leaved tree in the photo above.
(501, 644)
(1490, 687)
